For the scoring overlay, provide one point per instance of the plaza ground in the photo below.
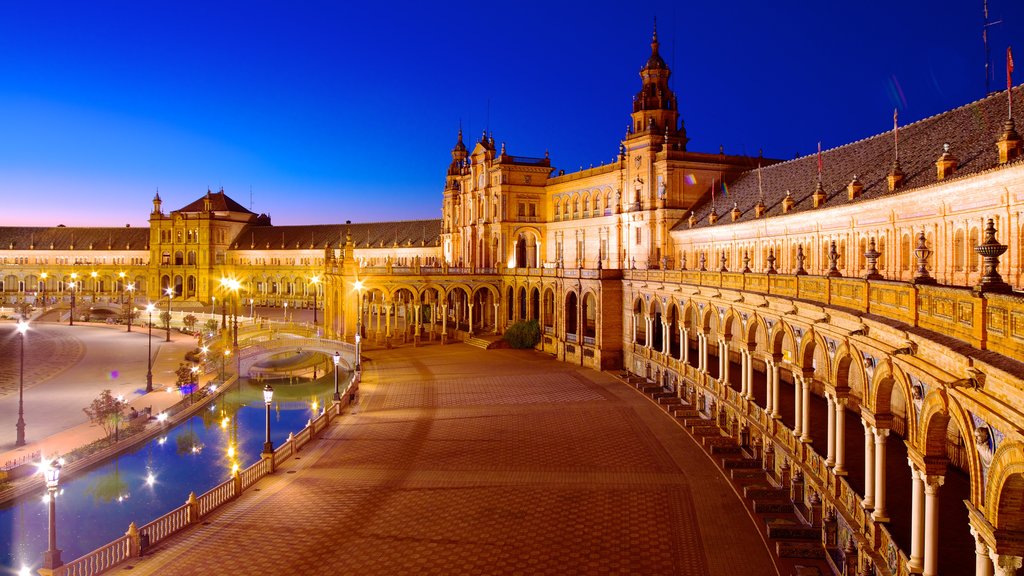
(463, 461)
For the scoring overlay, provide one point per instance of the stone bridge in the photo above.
(258, 351)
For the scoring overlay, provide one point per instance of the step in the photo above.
(784, 529)
(747, 475)
(809, 550)
(773, 506)
(764, 492)
(685, 413)
(670, 400)
(747, 463)
(647, 388)
(705, 429)
(723, 449)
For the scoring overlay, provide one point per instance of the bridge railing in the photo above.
(131, 544)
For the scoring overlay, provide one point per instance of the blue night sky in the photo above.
(347, 110)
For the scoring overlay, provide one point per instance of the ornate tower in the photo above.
(655, 110)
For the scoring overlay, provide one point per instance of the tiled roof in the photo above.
(970, 130)
(364, 235)
(220, 202)
(64, 238)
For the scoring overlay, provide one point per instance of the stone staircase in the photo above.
(485, 342)
(796, 544)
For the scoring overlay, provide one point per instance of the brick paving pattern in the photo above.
(47, 354)
(458, 461)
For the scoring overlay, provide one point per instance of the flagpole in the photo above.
(896, 131)
(1009, 82)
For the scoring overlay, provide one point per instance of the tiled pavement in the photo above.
(460, 461)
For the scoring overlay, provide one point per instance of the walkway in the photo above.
(460, 461)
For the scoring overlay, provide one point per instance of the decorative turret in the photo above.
(946, 164)
(1009, 143)
(787, 203)
(759, 208)
(208, 202)
(895, 177)
(459, 155)
(735, 214)
(156, 203)
(819, 195)
(854, 188)
(655, 108)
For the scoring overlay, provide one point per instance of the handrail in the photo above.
(100, 559)
(166, 525)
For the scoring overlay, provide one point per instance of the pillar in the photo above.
(444, 321)
(723, 361)
(387, 320)
(775, 392)
(633, 316)
(798, 404)
(750, 374)
(805, 412)
(470, 317)
(931, 524)
(495, 318)
(830, 458)
(1005, 565)
(840, 467)
(743, 373)
(869, 466)
(684, 345)
(769, 402)
(666, 340)
(916, 562)
(982, 562)
(880, 514)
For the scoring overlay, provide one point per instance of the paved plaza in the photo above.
(463, 461)
(66, 367)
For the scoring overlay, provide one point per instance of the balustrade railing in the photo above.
(126, 547)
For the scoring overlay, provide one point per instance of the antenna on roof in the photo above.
(984, 38)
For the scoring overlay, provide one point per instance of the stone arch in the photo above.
(934, 419)
(781, 339)
(1004, 495)
(757, 333)
(847, 358)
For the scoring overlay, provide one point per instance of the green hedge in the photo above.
(524, 334)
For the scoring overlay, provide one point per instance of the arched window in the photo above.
(958, 251)
(179, 258)
(972, 256)
(571, 319)
(191, 258)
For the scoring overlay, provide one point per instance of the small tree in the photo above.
(524, 334)
(165, 317)
(105, 411)
(190, 322)
(211, 325)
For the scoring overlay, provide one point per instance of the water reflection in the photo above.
(96, 507)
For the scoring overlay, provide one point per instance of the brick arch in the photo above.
(689, 312)
(777, 339)
(707, 319)
(655, 306)
(395, 288)
(729, 329)
(934, 419)
(1004, 495)
(808, 344)
(848, 358)
(490, 288)
(756, 325)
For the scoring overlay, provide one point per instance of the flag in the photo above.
(1009, 68)
(896, 130)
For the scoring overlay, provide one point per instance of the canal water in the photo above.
(95, 507)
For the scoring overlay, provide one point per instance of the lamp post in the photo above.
(170, 295)
(74, 278)
(337, 392)
(51, 558)
(131, 304)
(268, 397)
(43, 276)
(123, 286)
(316, 285)
(213, 307)
(223, 364)
(252, 302)
(93, 276)
(22, 329)
(194, 383)
(117, 417)
(149, 356)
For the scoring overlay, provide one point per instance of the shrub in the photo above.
(524, 334)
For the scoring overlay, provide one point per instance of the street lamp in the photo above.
(268, 397)
(119, 402)
(316, 284)
(170, 294)
(123, 287)
(195, 382)
(337, 360)
(252, 302)
(74, 277)
(223, 364)
(93, 276)
(131, 304)
(22, 329)
(51, 558)
(149, 357)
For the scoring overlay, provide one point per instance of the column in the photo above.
(649, 336)
(702, 352)
(684, 345)
(444, 321)
(495, 317)
(798, 404)
(869, 466)
(916, 561)
(723, 360)
(769, 369)
(666, 339)
(470, 319)
(387, 320)
(775, 392)
(805, 412)
(1005, 565)
(743, 373)
(931, 524)
(840, 467)
(880, 514)
(750, 374)
(633, 317)
(830, 458)
(982, 563)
